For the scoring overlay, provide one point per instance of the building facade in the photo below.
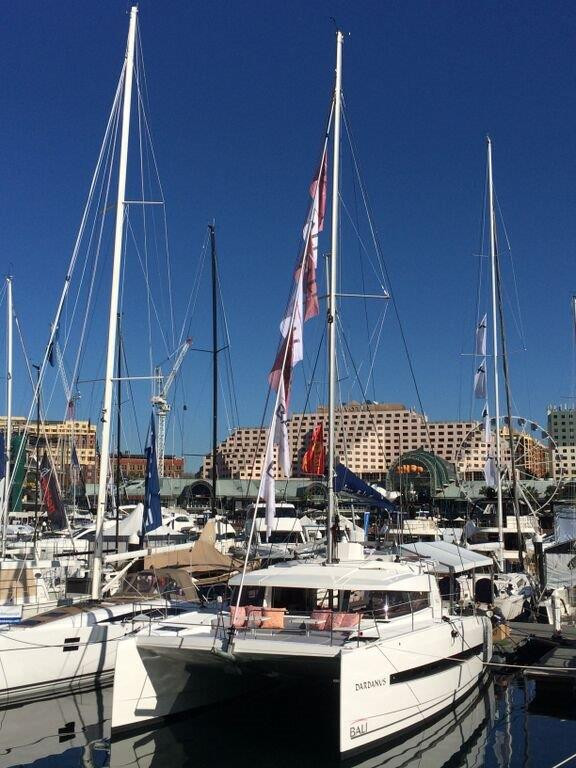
(133, 466)
(562, 429)
(370, 438)
(58, 438)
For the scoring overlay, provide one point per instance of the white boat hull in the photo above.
(153, 682)
(68, 650)
(49, 662)
(396, 686)
(159, 677)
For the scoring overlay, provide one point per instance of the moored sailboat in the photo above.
(74, 647)
(372, 632)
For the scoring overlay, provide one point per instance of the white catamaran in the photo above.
(372, 632)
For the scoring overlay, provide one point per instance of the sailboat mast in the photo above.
(214, 369)
(8, 448)
(114, 296)
(500, 517)
(118, 430)
(332, 299)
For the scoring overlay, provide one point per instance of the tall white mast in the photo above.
(113, 320)
(495, 352)
(332, 298)
(9, 355)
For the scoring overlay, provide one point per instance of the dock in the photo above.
(539, 653)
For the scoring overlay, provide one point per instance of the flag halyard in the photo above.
(303, 305)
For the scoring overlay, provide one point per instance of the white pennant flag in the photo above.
(481, 338)
(491, 471)
(486, 417)
(281, 431)
(480, 381)
(267, 490)
(296, 309)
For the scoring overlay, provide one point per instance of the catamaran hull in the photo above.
(384, 688)
(398, 685)
(154, 680)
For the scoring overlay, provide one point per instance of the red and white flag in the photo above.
(304, 302)
(314, 226)
(303, 305)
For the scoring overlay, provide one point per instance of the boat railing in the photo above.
(149, 611)
(333, 627)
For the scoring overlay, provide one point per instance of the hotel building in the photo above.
(370, 438)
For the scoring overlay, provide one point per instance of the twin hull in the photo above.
(385, 687)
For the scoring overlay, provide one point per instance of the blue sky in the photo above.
(238, 94)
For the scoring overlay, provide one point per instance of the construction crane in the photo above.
(159, 401)
(56, 360)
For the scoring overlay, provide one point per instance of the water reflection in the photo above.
(67, 731)
(306, 737)
(507, 725)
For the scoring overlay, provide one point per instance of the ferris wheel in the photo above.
(534, 451)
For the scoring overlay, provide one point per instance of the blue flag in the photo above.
(347, 481)
(152, 510)
(51, 350)
(366, 524)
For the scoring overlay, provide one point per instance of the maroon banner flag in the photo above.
(50, 494)
(314, 225)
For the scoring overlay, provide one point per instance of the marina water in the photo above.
(508, 723)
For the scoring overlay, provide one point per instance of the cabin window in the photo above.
(250, 595)
(330, 599)
(168, 586)
(142, 583)
(383, 604)
(281, 537)
(280, 512)
(294, 600)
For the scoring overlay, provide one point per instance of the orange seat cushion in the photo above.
(274, 618)
(323, 619)
(345, 620)
(238, 616)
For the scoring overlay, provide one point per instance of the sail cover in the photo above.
(347, 481)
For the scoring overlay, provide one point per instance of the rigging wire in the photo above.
(150, 146)
(144, 266)
(386, 276)
(97, 200)
(479, 285)
(148, 288)
(232, 391)
(195, 292)
(371, 355)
